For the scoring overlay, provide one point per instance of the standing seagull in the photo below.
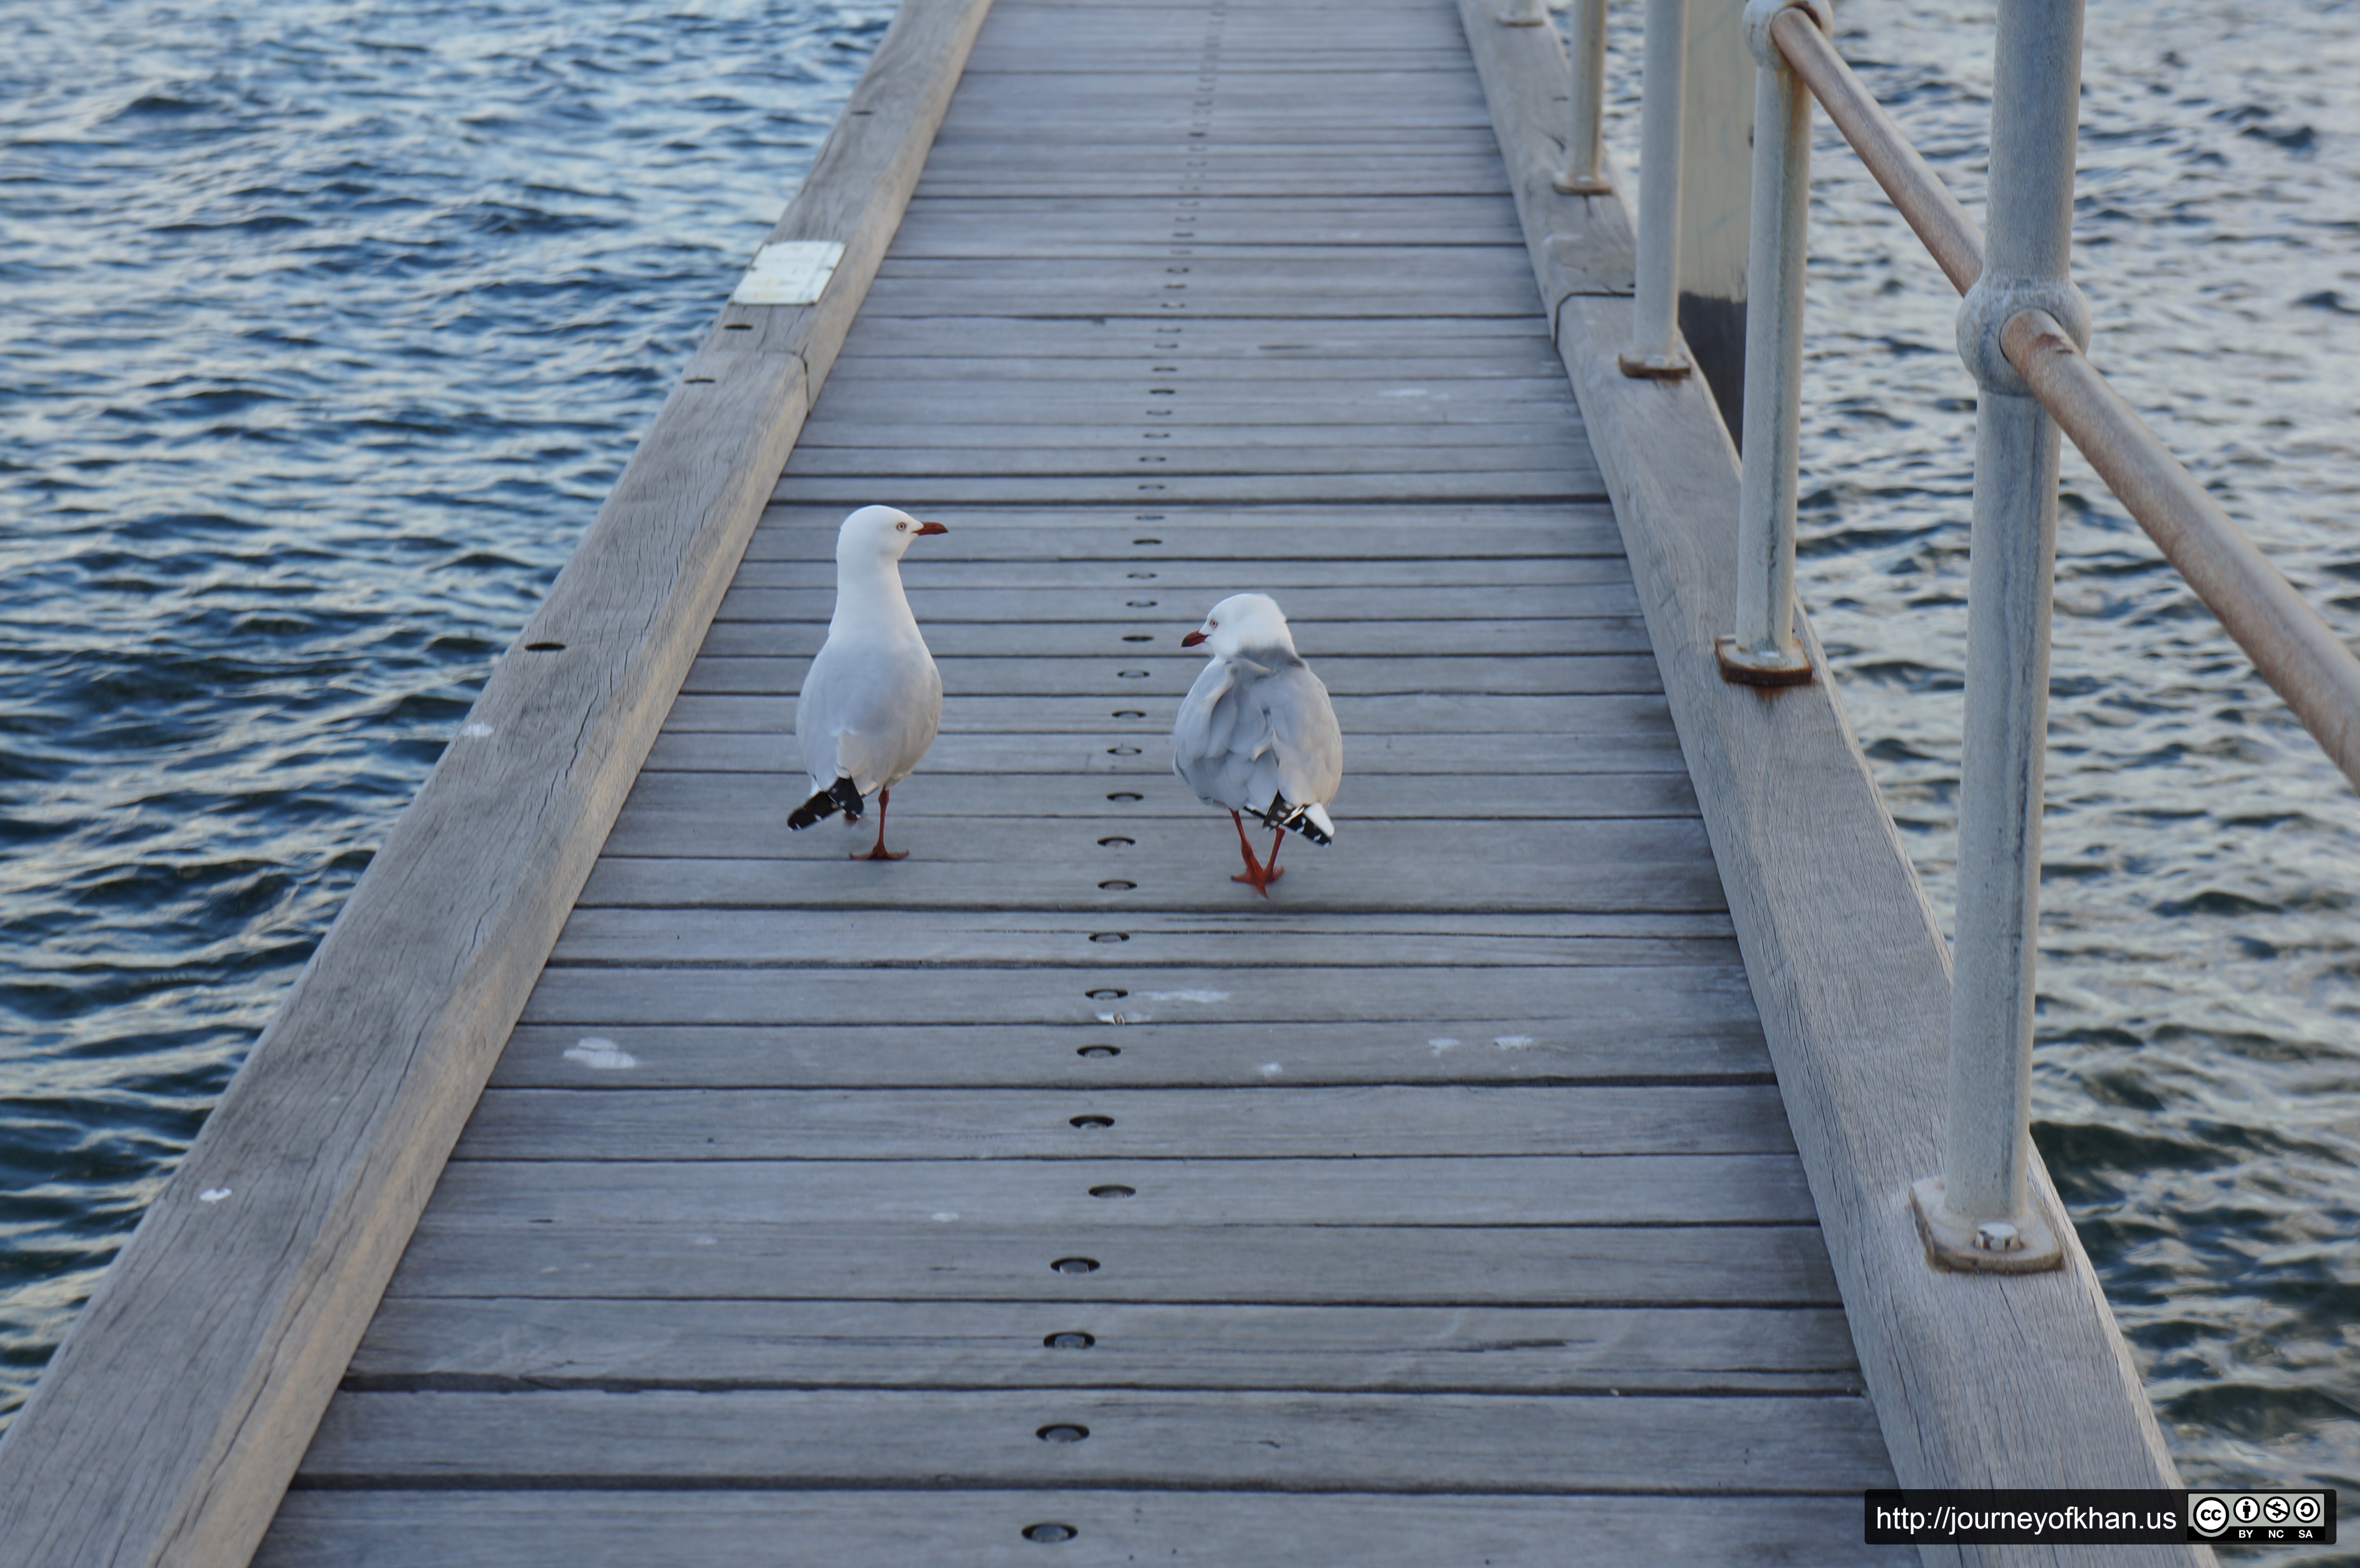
(872, 700)
(1257, 733)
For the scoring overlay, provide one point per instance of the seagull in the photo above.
(872, 699)
(1257, 733)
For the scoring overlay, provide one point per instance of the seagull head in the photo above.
(1239, 622)
(876, 533)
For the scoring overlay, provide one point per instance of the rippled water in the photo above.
(327, 327)
(2199, 1060)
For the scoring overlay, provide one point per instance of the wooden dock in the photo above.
(1046, 1197)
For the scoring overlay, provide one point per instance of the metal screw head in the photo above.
(1117, 886)
(1098, 1051)
(1129, 714)
(1108, 993)
(1076, 1266)
(1997, 1235)
(1125, 797)
(1118, 841)
(1071, 1339)
(1090, 1122)
(1047, 1531)
(1061, 1432)
(1113, 1190)
(1109, 936)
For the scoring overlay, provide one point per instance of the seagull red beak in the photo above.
(1192, 640)
(925, 529)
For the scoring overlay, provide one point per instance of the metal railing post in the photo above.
(1585, 148)
(1656, 348)
(1764, 651)
(1976, 1214)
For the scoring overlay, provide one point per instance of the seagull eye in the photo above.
(901, 528)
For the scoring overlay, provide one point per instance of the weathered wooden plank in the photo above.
(421, 1343)
(1849, 967)
(1432, 1443)
(1409, 338)
(163, 1434)
(1585, 759)
(1467, 405)
(930, 493)
(1349, 276)
(867, 1529)
(1412, 713)
(1633, 864)
(1116, 608)
(1183, 555)
(1549, 1003)
(745, 654)
(1148, 1123)
(1149, 939)
(1648, 1190)
(1168, 675)
(723, 806)
(697, 1258)
(1562, 470)
(1670, 1046)
(1531, 443)
(1198, 371)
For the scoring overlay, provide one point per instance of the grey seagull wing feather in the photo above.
(1221, 741)
(1308, 742)
(868, 713)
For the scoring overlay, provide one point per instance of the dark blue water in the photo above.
(2198, 1094)
(327, 327)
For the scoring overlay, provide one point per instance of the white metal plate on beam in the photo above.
(791, 272)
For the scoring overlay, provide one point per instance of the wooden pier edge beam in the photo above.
(167, 1427)
(1978, 1381)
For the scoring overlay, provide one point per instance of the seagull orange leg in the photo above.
(1257, 877)
(881, 852)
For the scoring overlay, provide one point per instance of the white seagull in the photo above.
(872, 699)
(1257, 733)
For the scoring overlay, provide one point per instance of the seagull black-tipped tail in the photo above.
(843, 795)
(1310, 820)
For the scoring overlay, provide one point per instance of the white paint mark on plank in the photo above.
(791, 272)
(601, 1055)
(213, 1195)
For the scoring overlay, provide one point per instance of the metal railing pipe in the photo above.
(1977, 1214)
(2295, 650)
(1585, 146)
(1655, 349)
(1925, 203)
(1764, 652)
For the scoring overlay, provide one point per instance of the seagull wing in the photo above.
(868, 713)
(1220, 744)
(1302, 725)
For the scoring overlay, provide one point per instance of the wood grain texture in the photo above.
(692, 1257)
(166, 1426)
(1850, 970)
(1156, 1053)
(457, 1344)
(1288, 1441)
(627, 1124)
(869, 1529)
